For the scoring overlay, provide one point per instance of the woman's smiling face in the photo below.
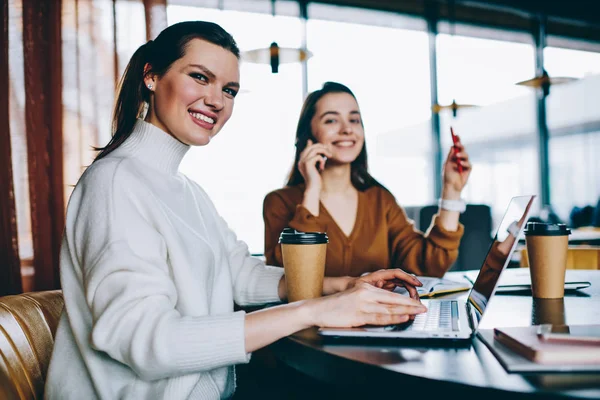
(194, 98)
(337, 124)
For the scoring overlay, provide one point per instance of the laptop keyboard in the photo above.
(441, 315)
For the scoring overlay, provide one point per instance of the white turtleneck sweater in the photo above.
(150, 273)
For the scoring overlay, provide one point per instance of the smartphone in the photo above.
(324, 158)
(455, 149)
(570, 334)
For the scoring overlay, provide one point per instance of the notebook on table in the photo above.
(519, 279)
(452, 320)
(433, 287)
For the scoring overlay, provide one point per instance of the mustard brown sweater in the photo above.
(382, 237)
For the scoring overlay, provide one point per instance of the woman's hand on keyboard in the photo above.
(362, 304)
(389, 279)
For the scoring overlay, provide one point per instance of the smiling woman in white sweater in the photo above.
(149, 270)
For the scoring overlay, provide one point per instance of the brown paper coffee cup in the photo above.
(547, 252)
(304, 266)
(548, 311)
(304, 263)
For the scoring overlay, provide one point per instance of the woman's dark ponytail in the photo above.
(160, 54)
(131, 96)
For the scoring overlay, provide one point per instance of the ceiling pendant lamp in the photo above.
(454, 107)
(275, 55)
(544, 81)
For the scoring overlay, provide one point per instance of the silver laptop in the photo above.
(453, 319)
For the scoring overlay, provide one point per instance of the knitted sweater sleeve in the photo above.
(129, 291)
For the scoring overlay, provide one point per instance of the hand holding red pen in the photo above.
(457, 169)
(455, 149)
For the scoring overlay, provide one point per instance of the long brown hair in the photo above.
(359, 175)
(169, 46)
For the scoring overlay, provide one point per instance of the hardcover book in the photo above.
(526, 342)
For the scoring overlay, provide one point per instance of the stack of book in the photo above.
(559, 345)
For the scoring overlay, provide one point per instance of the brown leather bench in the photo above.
(27, 326)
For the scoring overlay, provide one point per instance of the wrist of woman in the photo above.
(450, 193)
(312, 192)
(311, 201)
(338, 284)
(309, 313)
(452, 205)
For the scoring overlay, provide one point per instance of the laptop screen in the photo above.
(498, 256)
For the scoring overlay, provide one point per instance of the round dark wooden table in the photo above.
(366, 368)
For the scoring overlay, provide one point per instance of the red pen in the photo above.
(455, 149)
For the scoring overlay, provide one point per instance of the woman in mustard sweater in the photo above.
(330, 190)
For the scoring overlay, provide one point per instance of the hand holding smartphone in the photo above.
(570, 334)
(455, 150)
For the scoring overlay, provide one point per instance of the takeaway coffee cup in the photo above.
(547, 246)
(548, 311)
(304, 263)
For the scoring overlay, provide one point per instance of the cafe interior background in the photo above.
(518, 81)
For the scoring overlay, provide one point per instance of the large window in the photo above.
(574, 124)
(18, 138)
(252, 155)
(499, 132)
(575, 172)
(384, 59)
(255, 151)
(482, 71)
(571, 63)
(387, 68)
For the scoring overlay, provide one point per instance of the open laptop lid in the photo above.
(498, 256)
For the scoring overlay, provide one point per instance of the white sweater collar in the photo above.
(155, 147)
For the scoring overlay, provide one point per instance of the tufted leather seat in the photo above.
(27, 327)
